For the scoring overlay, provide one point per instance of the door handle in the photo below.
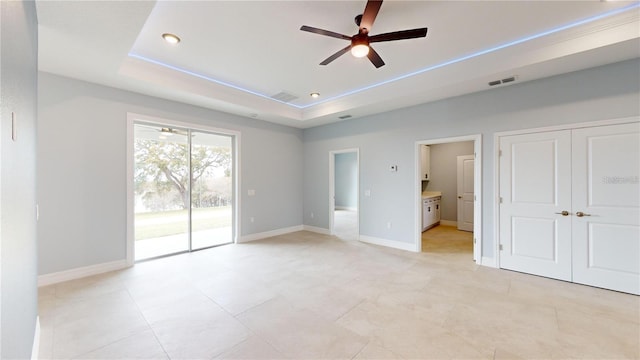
(459, 197)
(581, 214)
(564, 213)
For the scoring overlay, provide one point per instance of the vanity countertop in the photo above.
(430, 194)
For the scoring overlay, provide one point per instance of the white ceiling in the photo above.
(235, 55)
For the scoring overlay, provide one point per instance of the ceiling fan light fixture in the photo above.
(360, 50)
(166, 131)
(171, 38)
(360, 45)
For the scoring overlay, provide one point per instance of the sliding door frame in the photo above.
(132, 119)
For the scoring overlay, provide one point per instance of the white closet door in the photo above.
(466, 199)
(606, 240)
(535, 186)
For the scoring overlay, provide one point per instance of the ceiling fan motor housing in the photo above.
(360, 39)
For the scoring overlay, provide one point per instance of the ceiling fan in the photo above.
(360, 42)
(161, 131)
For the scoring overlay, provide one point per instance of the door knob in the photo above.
(581, 214)
(459, 197)
(564, 213)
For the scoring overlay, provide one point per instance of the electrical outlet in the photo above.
(311, 215)
(251, 192)
(252, 219)
(389, 225)
(367, 193)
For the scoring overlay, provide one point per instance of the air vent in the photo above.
(344, 117)
(284, 97)
(502, 81)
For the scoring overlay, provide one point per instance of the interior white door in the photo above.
(465, 192)
(535, 190)
(606, 189)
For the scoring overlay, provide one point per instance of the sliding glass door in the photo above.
(212, 190)
(183, 190)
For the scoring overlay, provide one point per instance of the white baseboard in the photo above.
(388, 243)
(489, 261)
(449, 223)
(316, 229)
(349, 208)
(77, 273)
(268, 234)
(35, 350)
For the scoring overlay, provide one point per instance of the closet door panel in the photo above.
(535, 188)
(606, 192)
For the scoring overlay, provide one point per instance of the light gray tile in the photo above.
(311, 296)
(143, 345)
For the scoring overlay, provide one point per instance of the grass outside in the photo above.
(158, 224)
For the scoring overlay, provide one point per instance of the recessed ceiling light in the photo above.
(171, 38)
(314, 95)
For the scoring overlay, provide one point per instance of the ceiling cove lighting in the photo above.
(606, 14)
(171, 38)
(208, 78)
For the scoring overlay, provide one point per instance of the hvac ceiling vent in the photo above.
(344, 117)
(284, 97)
(503, 81)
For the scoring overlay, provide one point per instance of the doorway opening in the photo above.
(448, 196)
(182, 186)
(344, 182)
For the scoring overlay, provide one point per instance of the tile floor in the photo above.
(447, 239)
(311, 296)
(345, 224)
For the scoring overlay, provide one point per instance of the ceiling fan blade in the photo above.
(399, 35)
(335, 56)
(324, 32)
(376, 60)
(369, 14)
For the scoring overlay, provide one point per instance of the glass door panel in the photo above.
(161, 180)
(211, 190)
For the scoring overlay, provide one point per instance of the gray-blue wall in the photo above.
(346, 177)
(18, 255)
(82, 160)
(82, 169)
(386, 139)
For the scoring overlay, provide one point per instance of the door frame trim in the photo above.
(477, 180)
(132, 118)
(332, 187)
(496, 161)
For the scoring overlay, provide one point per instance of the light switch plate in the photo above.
(251, 192)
